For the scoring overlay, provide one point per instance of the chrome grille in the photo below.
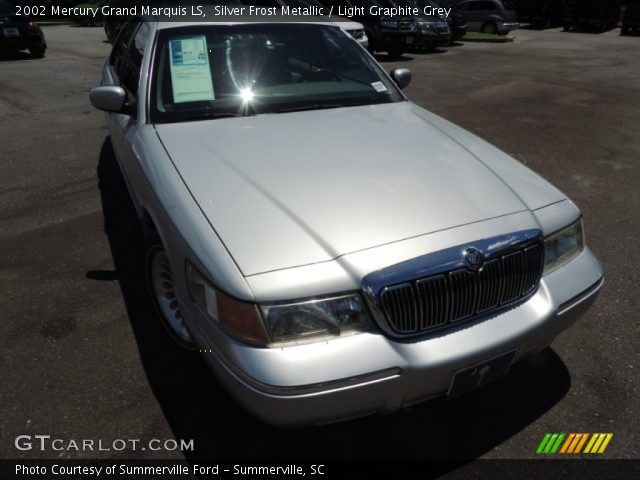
(427, 303)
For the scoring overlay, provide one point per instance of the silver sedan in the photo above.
(331, 249)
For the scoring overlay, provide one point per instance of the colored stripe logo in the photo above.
(564, 443)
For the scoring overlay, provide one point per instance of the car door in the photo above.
(475, 13)
(127, 64)
(466, 10)
(488, 12)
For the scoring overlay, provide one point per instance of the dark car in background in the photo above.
(433, 30)
(489, 16)
(457, 23)
(19, 32)
(600, 15)
(394, 35)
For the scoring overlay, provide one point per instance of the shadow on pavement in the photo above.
(385, 58)
(541, 26)
(197, 407)
(588, 29)
(11, 56)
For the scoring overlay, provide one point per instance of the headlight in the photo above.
(425, 26)
(316, 319)
(241, 320)
(563, 246)
(387, 23)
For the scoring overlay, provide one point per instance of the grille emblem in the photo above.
(474, 258)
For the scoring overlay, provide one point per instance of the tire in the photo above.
(566, 27)
(159, 277)
(395, 52)
(489, 28)
(37, 52)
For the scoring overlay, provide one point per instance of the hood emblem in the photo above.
(474, 258)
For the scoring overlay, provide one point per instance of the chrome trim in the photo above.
(327, 387)
(449, 265)
(581, 297)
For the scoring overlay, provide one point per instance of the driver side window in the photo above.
(133, 61)
(119, 52)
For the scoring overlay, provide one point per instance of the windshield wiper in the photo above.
(316, 106)
(207, 115)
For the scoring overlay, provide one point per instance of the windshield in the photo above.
(248, 69)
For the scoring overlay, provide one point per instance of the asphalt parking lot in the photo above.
(82, 357)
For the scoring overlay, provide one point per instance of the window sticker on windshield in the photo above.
(190, 72)
(379, 87)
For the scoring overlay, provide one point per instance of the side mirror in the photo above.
(110, 99)
(402, 77)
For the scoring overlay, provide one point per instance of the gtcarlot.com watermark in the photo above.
(47, 443)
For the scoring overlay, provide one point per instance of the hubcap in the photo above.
(165, 296)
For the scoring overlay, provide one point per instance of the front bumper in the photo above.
(396, 39)
(505, 27)
(364, 41)
(369, 373)
(432, 39)
(33, 40)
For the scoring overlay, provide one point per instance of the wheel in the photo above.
(490, 28)
(395, 52)
(37, 52)
(566, 27)
(160, 281)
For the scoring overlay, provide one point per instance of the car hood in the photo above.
(297, 188)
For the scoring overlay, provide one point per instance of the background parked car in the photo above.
(433, 30)
(456, 21)
(394, 35)
(19, 32)
(489, 16)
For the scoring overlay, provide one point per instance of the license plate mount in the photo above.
(472, 377)
(10, 32)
